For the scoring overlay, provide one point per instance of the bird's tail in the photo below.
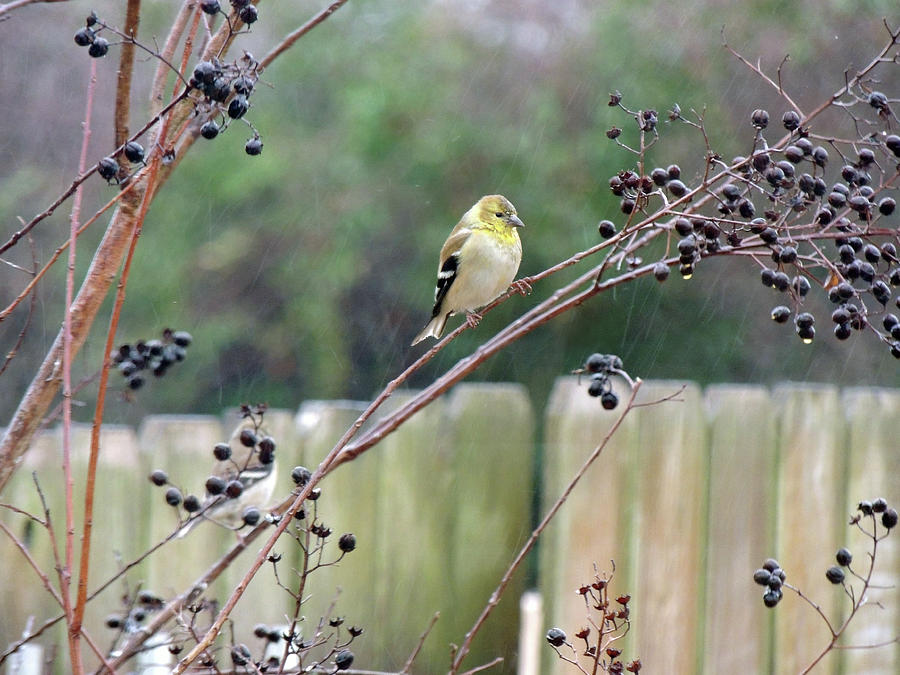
(434, 328)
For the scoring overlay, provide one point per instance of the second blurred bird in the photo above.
(242, 480)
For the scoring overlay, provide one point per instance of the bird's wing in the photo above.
(449, 265)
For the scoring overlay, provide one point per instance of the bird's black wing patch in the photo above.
(444, 281)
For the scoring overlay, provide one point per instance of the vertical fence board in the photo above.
(873, 422)
(263, 601)
(347, 504)
(670, 494)
(741, 515)
(592, 527)
(22, 593)
(810, 515)
(413, 535)
(182, 446)
(491, 428)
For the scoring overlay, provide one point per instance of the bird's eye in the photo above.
(498, 214)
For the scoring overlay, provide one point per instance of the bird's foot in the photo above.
(522, 287)
(473, 319)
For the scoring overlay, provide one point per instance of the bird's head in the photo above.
(498, 210)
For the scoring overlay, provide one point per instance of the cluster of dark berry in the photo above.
(230, 482)
(136, 611)
(772, 577)
(601, 367)
(153, 355)
(821, 233)
(89, 37)
(878, 507)
(226, 89)
(246, 11)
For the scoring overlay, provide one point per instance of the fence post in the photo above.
(873, 433)
(810, 518)
(741, 527)
(594, 526)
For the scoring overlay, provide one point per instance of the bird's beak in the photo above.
(515, 222)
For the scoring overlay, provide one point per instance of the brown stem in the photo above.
(74, 627)
(126, 70)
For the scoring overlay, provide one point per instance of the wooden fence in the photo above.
(688, 499)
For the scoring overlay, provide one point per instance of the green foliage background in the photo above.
(305, 272)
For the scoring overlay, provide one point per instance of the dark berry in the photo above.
(556, 637)
(233, 489)
(834, 574)
(844, 557)
(790, 120)
(598, 385)
(182, 338)
(606, 229)
(865, 507)
(173, 496)
(300, 475)
(210, 6)
(347, 542)
(192, 504)
(806, 334)
(136, 381)
(674, 171)
(240, 655)
(249, 14)
(886, 206)
(134, 152)
(222, 451)
(781, 314)
(769, 235)
(84, 37)
(767, 276)
(879, 505)
(781, 281)
(108, 168)
(771, 564)
(209, 130)
(344, 659)
(98, 47)
(788, 254)
(205, 72)
(215, 485)
(893, 144)
(609, 400)
(878, 100)
(793, 154)
(820, 155)
(771, 598)
(253, 147)
(889, 518)
(238, 106)
(159, 477)
(842, 331)
(248, 438)
(760, 119)
(661, 271)
(804, 320)
(677, 188)
(251, 516)
(800, 285)
(762, 576)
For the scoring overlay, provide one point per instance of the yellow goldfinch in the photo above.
(244, 476)
(478, 262)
